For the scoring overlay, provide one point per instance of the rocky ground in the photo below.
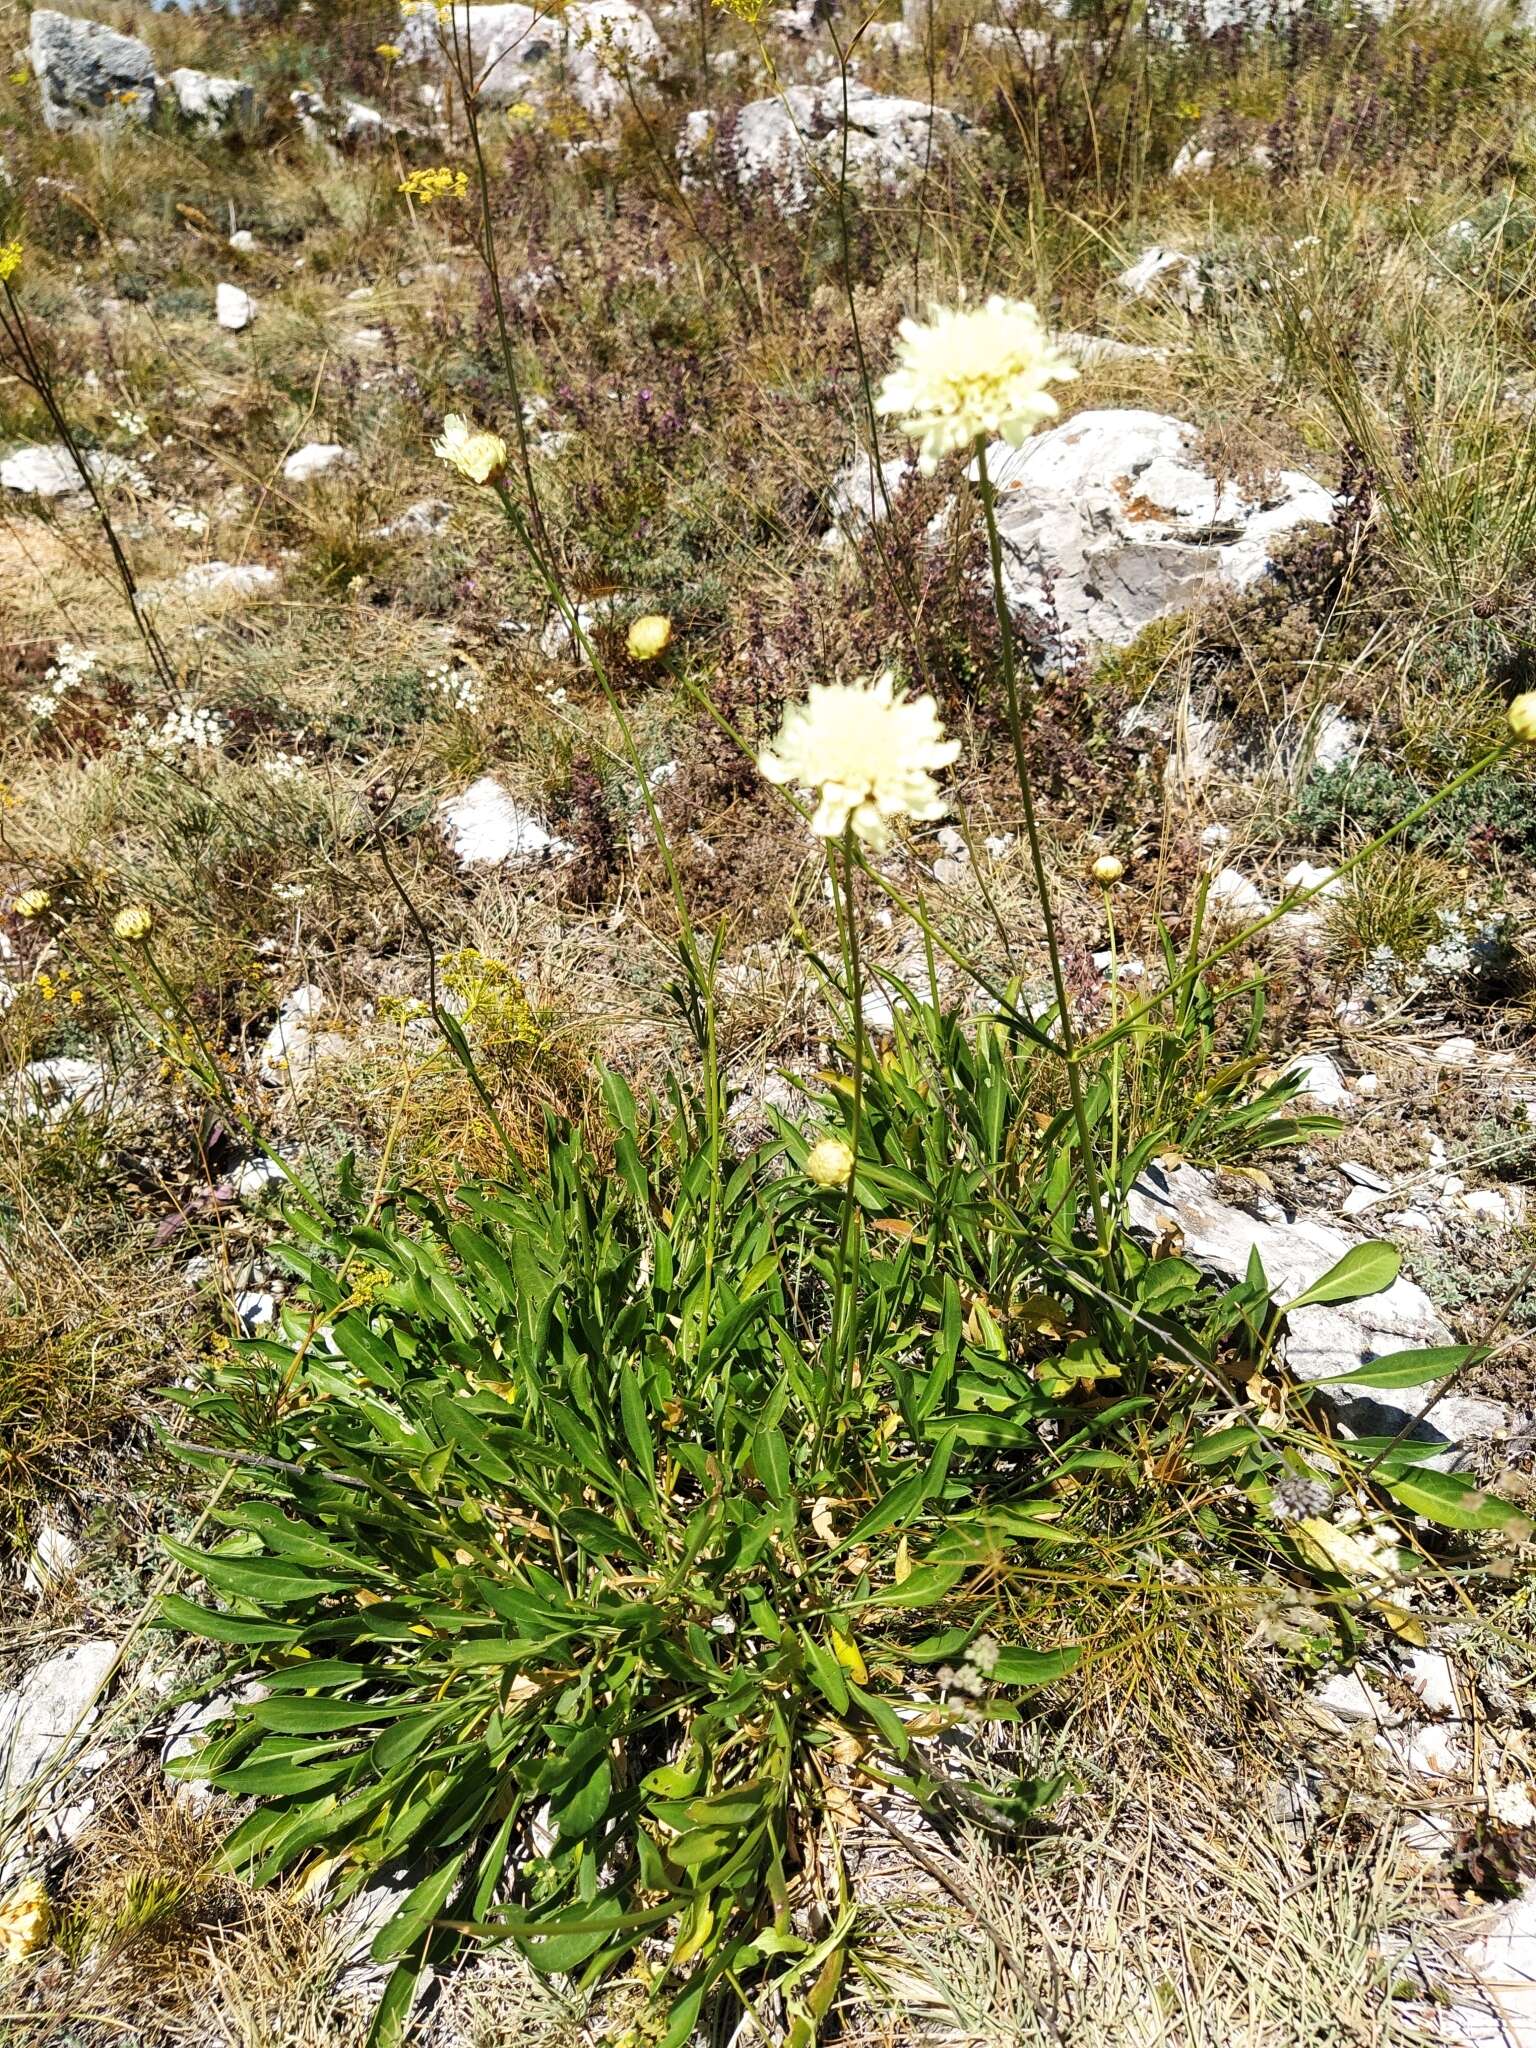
(272, 673)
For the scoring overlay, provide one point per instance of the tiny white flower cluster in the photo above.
(455, 688)
(188, 729)
(71, 666)
(285, 767)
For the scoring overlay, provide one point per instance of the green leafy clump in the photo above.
(590, 1533)
(1360, 800)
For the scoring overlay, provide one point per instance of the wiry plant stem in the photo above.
(1069, 1047)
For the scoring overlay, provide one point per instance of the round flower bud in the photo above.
(1522, 718)
(32, 902)
(829, 1163)
(1107, 870)
(134, 922)
(649, 635)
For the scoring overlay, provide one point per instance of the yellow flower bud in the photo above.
(1522, 718)
(135, 922)
(1107, 870)
(829, 1163)
(32, 902)
(649, 635)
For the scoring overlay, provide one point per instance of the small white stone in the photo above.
(244, 243)
(1235, 896)
(1452, 1186)
(233, 307)
(1347, 1695)
(1358, 1200)
(1413, 1220)
(1366, 1084)
(1456, 1052)
(314, 459)
(1307, 875)
(1487, 1204)
(1216, 835)
(1320, 1079)
(486, 827)
(53, 1559)
(1432, 1677)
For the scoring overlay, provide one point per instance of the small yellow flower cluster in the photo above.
(748, 11)
(25, 1918)
(390, 52)
(59, 988)
(134, 922)
(441, 182)
(477, 455)
(411, 9)
(10, 260)
(521, 110)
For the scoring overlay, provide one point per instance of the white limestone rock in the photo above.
(298, 1042)
(1170, 274)
(314, 459)
(787, 144)
(48, 470)
(1324, 1339)
(588, 51)
(487, 827)
(233, 307)
(214, 106)
(54, 1089)
(87, 73)
(1111, 520)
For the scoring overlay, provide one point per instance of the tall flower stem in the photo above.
(702, 975)
(839, 1369)
(1069, 1045)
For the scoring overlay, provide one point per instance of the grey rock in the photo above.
(1165, 273)
(48, 470)
(487, 827)
(54, 1089)
(298, 1043)
(216, 106)
(1324, 1339)
(1111, 521)
(314, 459)
(44, 1723)
(87, 73)
(588, 51)
(859, 496)
(788, 144)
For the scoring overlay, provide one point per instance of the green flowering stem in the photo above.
(703, 978)
(838, 1371)
(1069, 1045)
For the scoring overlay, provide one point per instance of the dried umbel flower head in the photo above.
(1522, 718)
(1299, 1496)
(1107, 870)
(136, 921)
(649, 636)
(25, 1918)
(868, 752)
(971, 373)
(829, 1163)
(474, 453)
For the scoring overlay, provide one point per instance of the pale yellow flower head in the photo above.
(390, 52)
(1107, 870)
(11, 254)
(441, 182)
(868, 753)
(970, 374)
(474, 453)
(32, 902)
(1522, 718)
(25, 1918)
(829, 1163)
(649, 635)
(134, 922)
